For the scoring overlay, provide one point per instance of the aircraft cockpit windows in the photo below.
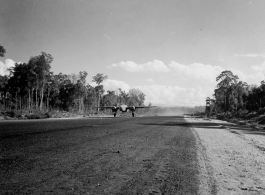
(123, 107)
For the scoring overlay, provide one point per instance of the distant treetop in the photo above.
(2, 51)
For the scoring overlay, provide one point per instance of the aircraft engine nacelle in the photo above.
(115, 109)
(133, 108)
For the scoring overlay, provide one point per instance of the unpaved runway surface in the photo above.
(146, 155)
(234, 154)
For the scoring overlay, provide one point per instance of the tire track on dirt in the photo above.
(208, 183)
(171, 170)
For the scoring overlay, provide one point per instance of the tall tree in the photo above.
(123, 97)
(255, 99)
(224, 88)
(110, 99)
(21, 82)
(98, 79)
(52, 88)
(3, 88)
(136, 97)
(239, 91)
(91, 97)
(66, 93)
(226, 79)
(42, 68)
(3, 79)
(81, 90)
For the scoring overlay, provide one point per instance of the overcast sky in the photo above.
(172, 50)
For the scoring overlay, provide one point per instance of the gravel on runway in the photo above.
(145, 155)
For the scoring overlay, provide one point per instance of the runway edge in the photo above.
(208, 183)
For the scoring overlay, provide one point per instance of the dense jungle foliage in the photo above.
(32, 86)
(237, 97)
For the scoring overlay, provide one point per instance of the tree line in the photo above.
(237, 97)
(33, 86)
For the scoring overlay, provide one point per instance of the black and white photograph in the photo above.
(132, 97)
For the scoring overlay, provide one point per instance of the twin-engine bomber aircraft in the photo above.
(124, 108)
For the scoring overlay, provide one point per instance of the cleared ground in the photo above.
(145, 155)
(235, 155)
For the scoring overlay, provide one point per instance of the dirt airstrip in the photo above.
(235, 155)
(145, 155)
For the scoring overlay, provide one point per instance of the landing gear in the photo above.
(114, 114)
(132, 114)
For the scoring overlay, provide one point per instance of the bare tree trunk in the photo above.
(21, 103)
(4, 99)
(36, 99)
(79, 104)
(82, 104)
(98, 100)
(41, 98)
(47, 103)
(16, 102)
(32, 100)
(48, 99)
(29, 101)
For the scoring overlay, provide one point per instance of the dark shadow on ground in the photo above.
(208, 125)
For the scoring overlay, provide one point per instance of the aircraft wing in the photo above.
(141, 106)
(108, 107)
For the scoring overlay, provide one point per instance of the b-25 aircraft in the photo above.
(124, 108)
